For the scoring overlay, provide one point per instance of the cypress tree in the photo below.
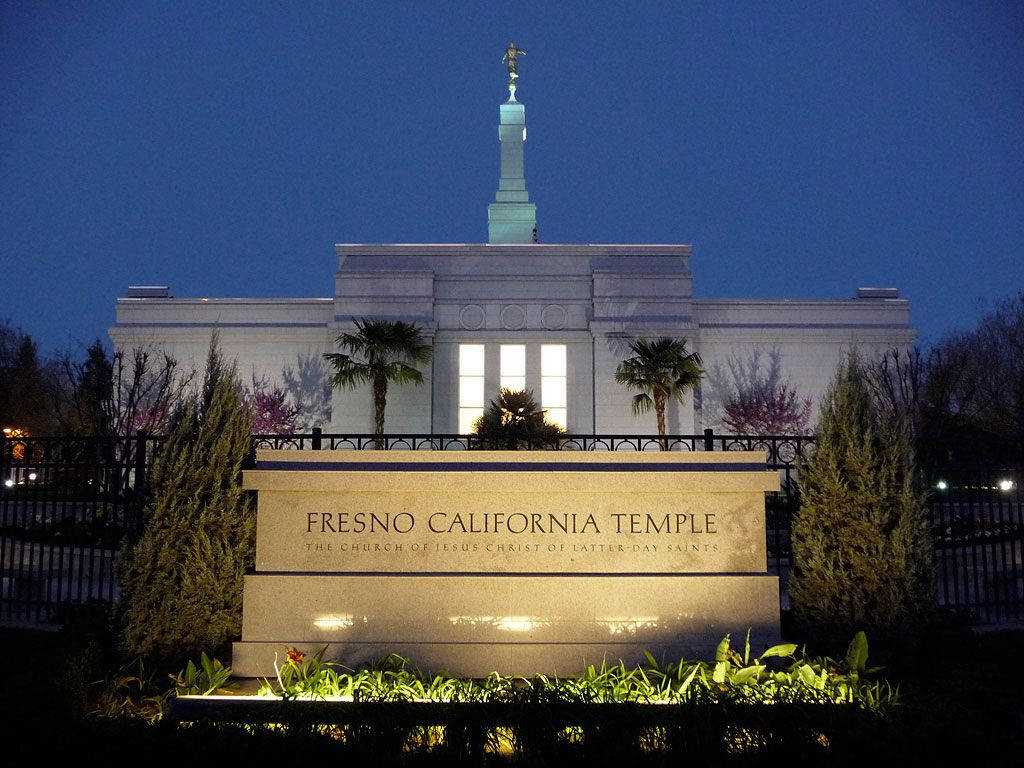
(862, 554)
(181, 580)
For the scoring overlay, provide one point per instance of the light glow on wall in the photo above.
(336, 622)
(504, 623)
(553, 383)
(471, 386)
(517, 623)
(628, 625)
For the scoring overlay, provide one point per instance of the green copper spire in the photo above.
(512, 218)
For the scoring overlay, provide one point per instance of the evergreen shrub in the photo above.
(181, 580)
(862, 554)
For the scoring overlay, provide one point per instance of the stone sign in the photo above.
(500, 560)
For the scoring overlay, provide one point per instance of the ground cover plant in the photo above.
(782, 673)
(740, 703)
(962, 700)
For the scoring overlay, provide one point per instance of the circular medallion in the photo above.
(471, 317)
(553, 317)
(513, 317)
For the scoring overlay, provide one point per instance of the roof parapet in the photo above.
(877, 293)
(148, 292)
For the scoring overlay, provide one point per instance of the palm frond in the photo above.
(642, 403)
(401, 373)
(348, 372)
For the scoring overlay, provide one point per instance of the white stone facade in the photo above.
(593, 299)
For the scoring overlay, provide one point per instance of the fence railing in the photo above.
(782, 451)
(67, 505)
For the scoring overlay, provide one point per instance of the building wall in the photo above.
(279, 341)
(592, 298)
(805, 339)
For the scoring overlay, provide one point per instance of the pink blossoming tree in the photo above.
(767, 410)
(272, 413)
(761, 402)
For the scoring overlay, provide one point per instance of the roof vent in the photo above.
(148, 292)
(878, 293)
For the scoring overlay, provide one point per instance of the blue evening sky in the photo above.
(803, 148)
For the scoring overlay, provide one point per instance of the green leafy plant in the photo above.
(735, 677)
(393, 678)
(514, 420)
(781, 673)
(129, 693)
(301, 675)
(209, 677)
(379, 352)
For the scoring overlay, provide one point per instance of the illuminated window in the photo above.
(513, 366)
(553, 383)
(471, 385)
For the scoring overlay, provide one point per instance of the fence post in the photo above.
(709, 439)
(140, 461)
(133, 508)
(317, 438)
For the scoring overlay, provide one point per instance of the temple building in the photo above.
(517, 312)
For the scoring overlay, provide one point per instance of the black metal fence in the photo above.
(783, 451)
(977, 523)
(67, 504)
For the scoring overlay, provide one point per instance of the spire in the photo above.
(512, 218)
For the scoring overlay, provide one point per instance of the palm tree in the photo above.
(386, 350)
(661, 369)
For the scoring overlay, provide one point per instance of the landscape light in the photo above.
(1005, 485)
(516, 623)
(942, 485)
(629, 625)
(506, 623)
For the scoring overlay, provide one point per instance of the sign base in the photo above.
(471, 625)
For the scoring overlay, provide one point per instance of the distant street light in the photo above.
(1005, 485)
(942, 485)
